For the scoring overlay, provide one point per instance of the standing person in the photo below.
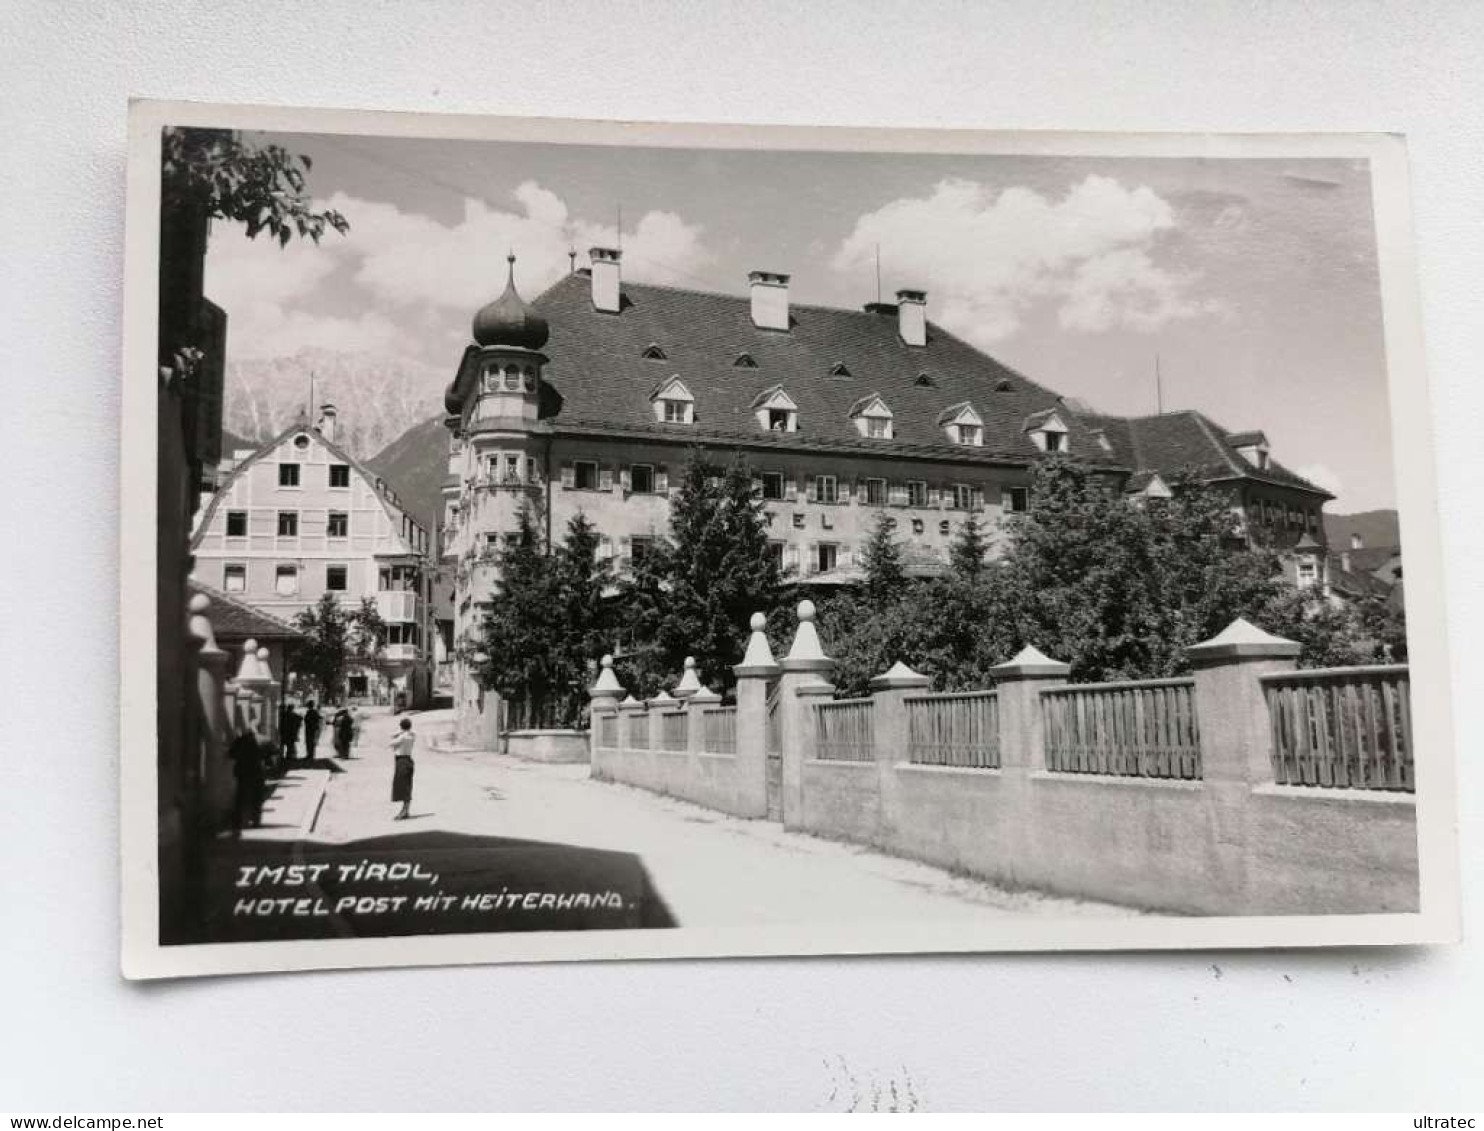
(246, 753)
(312, 722)
(288, 730)
(341, 729)
(402, 745)
(357, 718)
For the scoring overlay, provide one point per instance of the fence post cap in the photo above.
(607, 686)
(632, 704)
(758, 660)
(689, 683)
(201, 633)
(705, 696)
(805, 654)
(1242, 640)
(1031, 663)
(898, 676)
(663, 699)
(822, 689)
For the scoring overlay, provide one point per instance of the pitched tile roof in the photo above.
(602, 380)
(1188, 440)
(233, 620)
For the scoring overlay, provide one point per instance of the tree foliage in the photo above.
(547, 623)
(694, 593)
(321, 658)
(262, 187)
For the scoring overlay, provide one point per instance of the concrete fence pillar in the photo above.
(756, 671)
(216, 720)
(634, 766)
(603, 697)
(1235, 737)
(804, 683)
(696, 705)
(1018, 686)
(889, 723)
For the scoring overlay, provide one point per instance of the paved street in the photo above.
(709, 869)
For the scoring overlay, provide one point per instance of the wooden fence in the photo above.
(638, 731)
(719, 730)
(1346, 728)
(954, 730)
(1144, 729)
(844, 731)
(673, 734)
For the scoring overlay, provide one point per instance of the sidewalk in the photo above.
(293, 804)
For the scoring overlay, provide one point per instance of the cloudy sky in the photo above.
(1254, 282)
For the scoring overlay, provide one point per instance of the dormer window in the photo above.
(775, 410)
(872, 418)
(925, 381)
(839, 370)
(962, 425)
(673, 402)
(1251, 446)
(745, 361)
(652, 352)
(1047, 431)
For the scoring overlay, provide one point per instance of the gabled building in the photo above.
(590, 398)
(299, 517)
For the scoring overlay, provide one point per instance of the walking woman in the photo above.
(402, 777)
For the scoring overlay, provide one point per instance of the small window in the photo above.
(876, 492)
(827, 555)
(971, 434)
(677, 412)
(288, 524)
(839, 370)
(826, 489)
(916, 493)
(775, 551)
(335, 578)
(530, 469)
(339, 475)
(301, 442)
(530, 379)
(339, 525)
(652, 352)
(925, 381)
(512, 469)
(234, 579)
(286, 580)
(1056, 441)
(745, 361)
(963, 497)
(641, 479)
(585, 475)
(1308, 573)
(640, 548)
(878, 428)
(772, 484)
(288, 475)
(778, 419)
(1019, 499)
(236, 524)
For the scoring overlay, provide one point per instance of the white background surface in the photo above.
(1359, 1029)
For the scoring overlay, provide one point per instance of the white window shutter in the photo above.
(662, 479)
(978, 498)
(845, 557)
(791, 489)
(790, 556)
(624, 479)
(934, 496)
(811, 487)
(569, 475)
(1006, 502)
(811, 564)
(896, 494)
(757, 484)
(605, 478)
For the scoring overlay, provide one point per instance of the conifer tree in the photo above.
(967, 550)
(886, 576)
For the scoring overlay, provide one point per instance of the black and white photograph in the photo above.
(569, 540)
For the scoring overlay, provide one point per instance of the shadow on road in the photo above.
(422, 882)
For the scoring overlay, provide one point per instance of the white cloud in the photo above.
(1323, 476)
(987, 258)
(391, 282)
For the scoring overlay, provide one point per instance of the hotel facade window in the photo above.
(876, 492)
(288, 475)
(917, 493)
(286, 580)
(338, 525)
(963, 497)
(1016, 500)
(288, 524)
(826, 557)
(826, 489)
(585, 475)
(641, 479)
(336, 578)
(234, 578)
(236, 524)
(772, 484)
(339, 475)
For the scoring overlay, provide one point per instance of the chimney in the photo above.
(912, 317)
(769, 299)
(325, 425)
(1357, 542)
(607, 289)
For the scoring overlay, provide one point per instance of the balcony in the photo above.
(397, 606)
(399, 653)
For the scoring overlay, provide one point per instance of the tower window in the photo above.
(512, 469)
(236, 524)
(339, 525)
(339, 475)
(288, 475)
